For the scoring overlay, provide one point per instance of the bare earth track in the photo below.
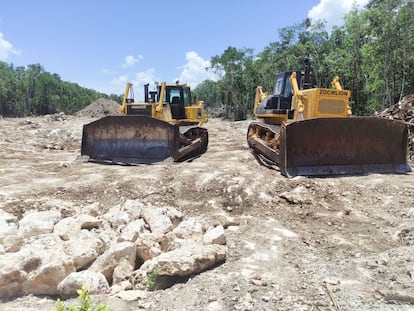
(334, 243)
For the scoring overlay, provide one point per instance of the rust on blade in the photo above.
(354, 145)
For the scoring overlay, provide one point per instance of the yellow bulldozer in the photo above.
(166, 125)
(311, 131)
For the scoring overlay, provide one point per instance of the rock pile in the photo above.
(403, 110)
(99, 108)
(131, 248)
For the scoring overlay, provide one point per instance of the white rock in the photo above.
(10, 238)
(299, 195)
(122, 271)
(84, 248)
(107, 262)
(191, 228)
(131, 295)
(38, 223)
(190, 259)
(88, 222)
(11, 281)
(133, 208)
(9, 225)
(116, 218)
(147, 249)
(175, 215)
(215, 306)
(91, 209)
(215, 235)
(37, 268)
(157, 219)
(94, 281)
(67, 227)
(132, 230)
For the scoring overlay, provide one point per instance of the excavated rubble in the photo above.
(404, 111)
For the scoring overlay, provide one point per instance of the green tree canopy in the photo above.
(31, 90)
(372, 53)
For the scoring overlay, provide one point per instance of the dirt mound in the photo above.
(403, 110)
(99, 108)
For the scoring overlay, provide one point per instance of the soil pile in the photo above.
(404, 110)
(99, 108)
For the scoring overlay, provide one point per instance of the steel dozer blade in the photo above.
(136, 140)
(333, 146)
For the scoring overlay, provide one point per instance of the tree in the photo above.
(354, 42)
(210, 92)
(235, 67)
(389, 50)
(27, 90)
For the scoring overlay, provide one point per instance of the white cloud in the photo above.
(121, 80)
(117, 85)
(194, 71)
(6, 48)
(144, 77)
(333, 11)
(131, 60)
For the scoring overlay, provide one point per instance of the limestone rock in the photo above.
(116, 218)
(157, 219)
(38, 223)
(132, 230)
(37, 268)
(107, 262)
(215, 235)
(122, 271)
(9, 232)
(84, 248)
(189, 259)
(191, 228)
(94, 281)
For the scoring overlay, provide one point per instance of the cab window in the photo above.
(278, 86)
(174, 93)
(288, 89)
(187, 97)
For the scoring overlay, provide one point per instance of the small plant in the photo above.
(85, 299)
(151, 278)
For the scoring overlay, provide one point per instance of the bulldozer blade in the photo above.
(333, 146)
(129, 140)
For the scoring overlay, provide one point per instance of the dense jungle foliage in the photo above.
(372, 53)
(30, 90)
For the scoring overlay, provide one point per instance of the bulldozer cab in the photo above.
(283, 91)
(177, 97)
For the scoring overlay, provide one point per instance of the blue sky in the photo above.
(102, 44)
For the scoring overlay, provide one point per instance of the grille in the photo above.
(331, 106)
(139, 110)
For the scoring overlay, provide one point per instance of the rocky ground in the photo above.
(333, 243)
